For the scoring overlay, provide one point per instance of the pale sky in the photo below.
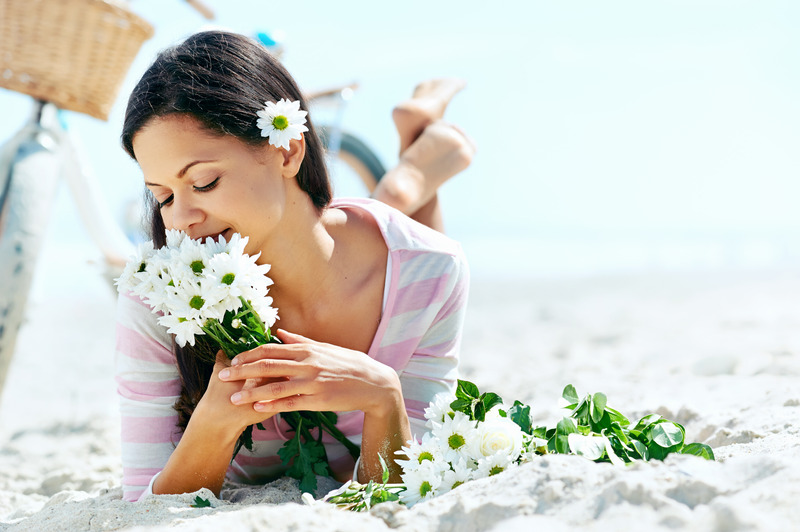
(598, 124)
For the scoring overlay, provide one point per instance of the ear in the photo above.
(293, 157)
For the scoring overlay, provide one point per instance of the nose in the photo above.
(183, 215)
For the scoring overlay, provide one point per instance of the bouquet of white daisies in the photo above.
(214, 292)
(212, 288)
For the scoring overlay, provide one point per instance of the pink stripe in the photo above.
(136, 345)
(397, 355)
(129, 472)
(457, 300)
(133, 297)
(150, 429)
(413, 405)
(148, 391)
(133, 495)
(445, 349)
(420, 294)
(408, 255)
(386, 318)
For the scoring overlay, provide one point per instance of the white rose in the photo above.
(497, 435)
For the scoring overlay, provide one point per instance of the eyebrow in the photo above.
(182, 172)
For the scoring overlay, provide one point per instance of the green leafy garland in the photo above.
(652, 437)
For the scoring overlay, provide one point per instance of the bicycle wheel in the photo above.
(355, 169)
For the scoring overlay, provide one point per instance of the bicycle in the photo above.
(44, 149)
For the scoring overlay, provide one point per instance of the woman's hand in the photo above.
(315, 376)
(320, 377)
(215, 408)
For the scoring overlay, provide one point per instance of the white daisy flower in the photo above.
(454, 434)
(439, 407)
(453, 478)
(421, 483)
(137, 264)
(492, 465)
(281, 122)
(175, 237)
(417, 453)
(183, 329)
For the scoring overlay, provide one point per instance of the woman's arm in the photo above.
(148, 385)
(202, 456)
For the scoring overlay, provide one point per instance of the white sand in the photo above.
(719, 353)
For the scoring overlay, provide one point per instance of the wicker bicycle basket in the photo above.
(74, 53)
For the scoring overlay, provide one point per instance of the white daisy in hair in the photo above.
(281, 122)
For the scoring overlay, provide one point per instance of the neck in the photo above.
(300, 253)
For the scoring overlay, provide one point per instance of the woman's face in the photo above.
(208, 185)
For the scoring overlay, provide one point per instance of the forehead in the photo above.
(167, 144)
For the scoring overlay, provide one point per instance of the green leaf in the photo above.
(490, 400)
(479, 412)
(640, 448)
(521, 415)
(646, 421)
(200, 502)
(564, 428)
(666, 434)
(385, 468)
(462, 405)
(305, 461)
(570, 394)
(598, 406)
(617, 417)
(467, 390)
(698, 449)
(539, 432)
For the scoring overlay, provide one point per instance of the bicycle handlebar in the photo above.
(202, 8)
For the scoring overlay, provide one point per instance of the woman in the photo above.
(371, 303)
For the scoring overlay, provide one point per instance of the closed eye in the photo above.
(162, 204)
(208, 187)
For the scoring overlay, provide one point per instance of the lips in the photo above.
(215, 236)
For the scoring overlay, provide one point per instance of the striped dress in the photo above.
(418, 336)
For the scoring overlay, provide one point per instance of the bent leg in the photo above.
(432, 152)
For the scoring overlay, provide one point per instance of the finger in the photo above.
(269, 392)
(292, 338)
(287, 404)
(263, 368)
(280, 351)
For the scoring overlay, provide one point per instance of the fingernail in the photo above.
(259, 406)
(235, 362)
(235, 398)
(224, 374)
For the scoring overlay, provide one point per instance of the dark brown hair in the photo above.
(221, 79)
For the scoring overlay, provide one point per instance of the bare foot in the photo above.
(440, 152)
(427, 104)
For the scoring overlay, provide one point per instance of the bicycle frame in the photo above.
(30, 166)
